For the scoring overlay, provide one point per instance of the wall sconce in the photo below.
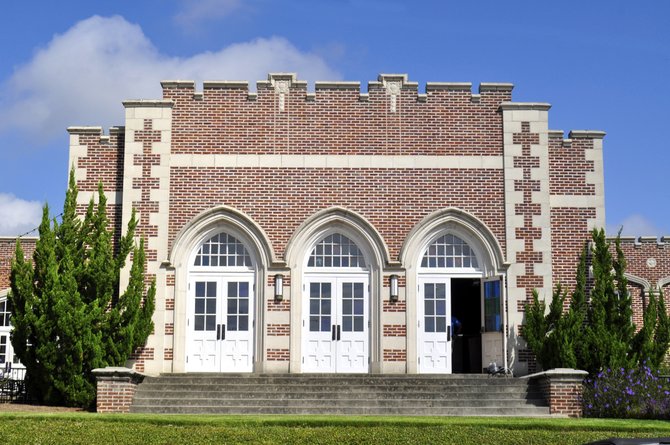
(279, 287)
(394, 288)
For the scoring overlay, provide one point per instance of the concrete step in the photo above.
(531, 411)
(355, 394)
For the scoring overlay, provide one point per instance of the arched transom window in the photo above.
(449, 251)
(222, 250)
(336, 250)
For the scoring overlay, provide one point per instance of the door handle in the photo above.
(338, 332)
(332, 331)
(218, 332)
(448, 333)
(223, 332)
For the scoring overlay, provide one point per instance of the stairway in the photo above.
(355, 394)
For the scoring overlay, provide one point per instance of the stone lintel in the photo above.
(541, 106)
(84, 130)
(232, 84)
(146, 103)
(338, 85)
(587, 134)
(178, 84)
(485, 87)
(448, 86)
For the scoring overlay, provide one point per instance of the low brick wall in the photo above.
(562, 389)
(115, 389)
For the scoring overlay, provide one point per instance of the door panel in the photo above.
(434, 333)
(335, 332)
(492, 337)
(221, 328)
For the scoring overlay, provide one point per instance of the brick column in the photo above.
(115, 389)
(562, 388)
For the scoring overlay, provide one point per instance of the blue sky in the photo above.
(602, 65)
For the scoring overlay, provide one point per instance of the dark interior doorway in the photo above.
(466, 321)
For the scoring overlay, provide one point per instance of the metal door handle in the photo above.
(332, 331)
(448, 333)
(218, 332)
(223, 332)
(338, 332)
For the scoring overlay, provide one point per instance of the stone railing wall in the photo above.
(562, 389)
(116, 388)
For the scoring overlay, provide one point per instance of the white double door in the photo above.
(434, 325)
(335, 325)
(220, 324)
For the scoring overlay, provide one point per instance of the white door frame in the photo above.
(226, 349)
(446, 338)
(338, 348)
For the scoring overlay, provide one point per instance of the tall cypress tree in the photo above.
(68, 316)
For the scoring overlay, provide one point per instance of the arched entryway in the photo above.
(455, 294)
(221, 306)
(336, 306)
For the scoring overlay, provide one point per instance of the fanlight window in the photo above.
(336, 250)
(222, 250)
(449, 251)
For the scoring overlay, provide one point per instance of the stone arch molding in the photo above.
(662, 282)
(366, 237)
(331, 220)
(645, 284)
(218, 219)
(196, 231)
(461, 223)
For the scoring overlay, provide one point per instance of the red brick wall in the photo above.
(569, 235)
(393, 200)
(568, 167)
(224, 121)
(7, 251)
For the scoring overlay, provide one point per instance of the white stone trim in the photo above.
(337, 161)
(448, 86)
(337, 85)
(579, 201)
(233, 84)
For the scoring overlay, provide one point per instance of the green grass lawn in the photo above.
(86, 428)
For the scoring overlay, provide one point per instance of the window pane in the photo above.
(358, 324)
(199, 324)
(336, 251)
(430, 324)
(244, 323)
(449, 251)
(441, 325)
(232, 323)
(346, 324)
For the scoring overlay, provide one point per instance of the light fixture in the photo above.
(279, 287)
(394, 288)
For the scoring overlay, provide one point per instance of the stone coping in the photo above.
(564, 374)
(118, 373)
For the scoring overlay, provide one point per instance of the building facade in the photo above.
(338, 231)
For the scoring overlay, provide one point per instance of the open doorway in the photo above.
(466, 325)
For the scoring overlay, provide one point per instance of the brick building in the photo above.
(338, 231)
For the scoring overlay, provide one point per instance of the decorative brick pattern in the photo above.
(279, 330)
(167, 354)
(398, 306)
(279, 306)
(169, 328)
(169, 304)
(529, 232)
(395, 355)
(395, 330)
(278, 355)
(141, 355)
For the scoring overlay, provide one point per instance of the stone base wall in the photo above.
(115, 389)
(562, 390)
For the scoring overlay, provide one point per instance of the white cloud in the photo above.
(635, 225)
(196, 11)
(18, 216)
(81, 76)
